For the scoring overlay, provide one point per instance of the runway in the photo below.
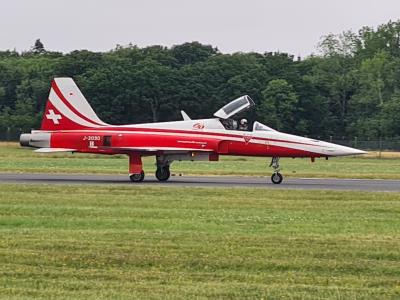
(369, 185)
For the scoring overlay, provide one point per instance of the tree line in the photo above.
(351, 88)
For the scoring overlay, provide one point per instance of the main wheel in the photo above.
(276, 178)
(163, 173)
(137, 177)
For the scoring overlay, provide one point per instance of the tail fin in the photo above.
(67, 108)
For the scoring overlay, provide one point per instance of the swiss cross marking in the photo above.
(54, 117)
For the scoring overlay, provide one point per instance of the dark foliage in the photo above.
(350, 89)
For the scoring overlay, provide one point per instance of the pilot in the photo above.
(243, 125)
(234, 125)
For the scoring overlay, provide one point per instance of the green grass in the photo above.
(93, 242)
(15, 159)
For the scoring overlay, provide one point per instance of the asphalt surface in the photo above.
(210, 181)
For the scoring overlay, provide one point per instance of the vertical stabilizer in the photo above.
(67, 108)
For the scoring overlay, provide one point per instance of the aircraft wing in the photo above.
(156, 149)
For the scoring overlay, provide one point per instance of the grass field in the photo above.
(15, 159)
(93, 242)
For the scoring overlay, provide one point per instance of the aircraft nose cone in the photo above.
(343, 150)
(339, 150)
(357, 151)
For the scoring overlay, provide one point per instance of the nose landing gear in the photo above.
(276, 177)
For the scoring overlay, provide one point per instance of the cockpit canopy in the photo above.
(257, 126)
(236, 106)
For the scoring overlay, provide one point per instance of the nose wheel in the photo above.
(277, 177)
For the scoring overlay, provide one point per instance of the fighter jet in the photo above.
(70, 124)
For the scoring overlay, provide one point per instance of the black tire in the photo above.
(163, 173)
(276, 178)
(137, 177)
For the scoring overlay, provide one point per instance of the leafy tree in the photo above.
(375, 77)
(391, 117)
(351, 88)
(23, 117)
(38, 47)
(77, 62)
(385, 38)
(278, 105)
(8, 54)
(189, 53)
(335, 83)
(160, 54)
(344, 44)
(10, 77)
(155, 88)
(109, 90)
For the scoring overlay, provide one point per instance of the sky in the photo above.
(294, 27)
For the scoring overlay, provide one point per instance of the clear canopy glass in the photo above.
(257, 126)
(234, 107)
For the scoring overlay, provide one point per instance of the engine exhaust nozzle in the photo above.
(24, 139)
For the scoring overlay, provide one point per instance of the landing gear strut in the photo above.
(136, 173)
(162, 172)
(277, 177)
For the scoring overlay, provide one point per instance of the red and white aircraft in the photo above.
(70, 125)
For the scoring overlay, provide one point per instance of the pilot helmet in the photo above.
(243, 122)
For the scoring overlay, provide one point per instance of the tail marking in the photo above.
(67, 108)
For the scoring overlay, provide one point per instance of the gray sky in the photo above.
(231, 25)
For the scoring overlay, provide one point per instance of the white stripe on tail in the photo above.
(67, 108)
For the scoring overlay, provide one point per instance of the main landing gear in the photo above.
(162, 172)
(137, 177)
(277, 177)
(136, 173)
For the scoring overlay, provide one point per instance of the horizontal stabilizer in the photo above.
(54, 150)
